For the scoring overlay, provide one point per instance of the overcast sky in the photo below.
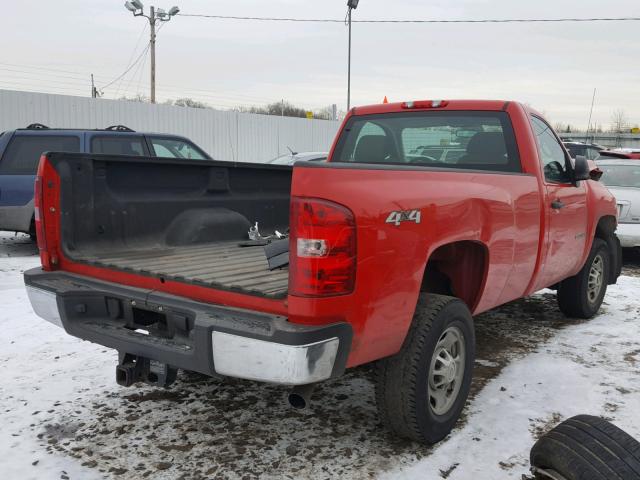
(53, 46)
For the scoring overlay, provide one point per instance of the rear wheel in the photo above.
(581, 296)
(422, 390)
(586, 448)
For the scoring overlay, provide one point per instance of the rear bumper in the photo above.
(16, 219)
(629, 234)
(187, 334)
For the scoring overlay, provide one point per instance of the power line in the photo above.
(485, 20)
(129, 68)
(80, 78)
(133, 52)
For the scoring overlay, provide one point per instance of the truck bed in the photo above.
(174, 219)
(224, 265)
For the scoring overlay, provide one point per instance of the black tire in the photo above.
(32, 230)
(588, 448)
(403, 393)
(573, 293)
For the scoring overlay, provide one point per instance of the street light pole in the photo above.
(349, 66)
(351, 4)
(137, 8)
(152, 45)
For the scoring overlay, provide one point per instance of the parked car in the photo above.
(590, 151)
(20, 151)
(622, 178)
(293, 157)
(629, 153)
(388, 256)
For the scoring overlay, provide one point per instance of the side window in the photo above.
(592, 154)
(118, 145)
(551, 153)
(23, 152)
(176, 148)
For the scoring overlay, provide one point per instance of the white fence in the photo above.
(225, 135)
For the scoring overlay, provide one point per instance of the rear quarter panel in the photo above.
(499, 211)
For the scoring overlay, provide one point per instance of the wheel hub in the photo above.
(450, 372)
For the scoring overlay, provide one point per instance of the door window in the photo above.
(23, 152)
(552, 154)
(118, 145)
(176, 148)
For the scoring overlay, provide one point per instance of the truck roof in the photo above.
(489, 105)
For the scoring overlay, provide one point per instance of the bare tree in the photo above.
(189, 102)
(138, 97)
(619, 121)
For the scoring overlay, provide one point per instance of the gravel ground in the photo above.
(65, 402)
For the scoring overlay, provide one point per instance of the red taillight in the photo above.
(39, 216)
(322, 248)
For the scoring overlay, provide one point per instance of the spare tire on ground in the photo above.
(586, 448)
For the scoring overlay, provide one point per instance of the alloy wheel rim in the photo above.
(596, 279)
(446, 371)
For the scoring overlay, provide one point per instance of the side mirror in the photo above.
(581, 170)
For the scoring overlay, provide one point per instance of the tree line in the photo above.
(283, 108)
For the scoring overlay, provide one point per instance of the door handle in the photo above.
(557, 204)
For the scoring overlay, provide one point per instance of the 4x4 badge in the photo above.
(403, 216)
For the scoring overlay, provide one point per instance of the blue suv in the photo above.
(20, 152)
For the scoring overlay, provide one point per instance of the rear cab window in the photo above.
(23, 153)
(472, 140)
(119, 145)
(169, 147)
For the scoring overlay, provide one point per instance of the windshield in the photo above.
(451, 139)
(620, 175)
(286, 159)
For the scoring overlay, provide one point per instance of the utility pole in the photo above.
(351, 4)
(137, 8)
(93, 88)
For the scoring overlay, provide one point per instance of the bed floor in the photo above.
(226, 266)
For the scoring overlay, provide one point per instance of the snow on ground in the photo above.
(63, 415)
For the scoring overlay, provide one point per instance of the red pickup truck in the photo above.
(382, 254)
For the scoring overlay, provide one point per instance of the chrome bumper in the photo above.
(254, 359)
(44, 305)
(219, 340)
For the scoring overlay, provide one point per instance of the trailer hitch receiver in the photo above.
(133, 369)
